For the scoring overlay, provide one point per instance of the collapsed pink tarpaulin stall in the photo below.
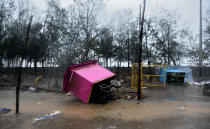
(79, 79)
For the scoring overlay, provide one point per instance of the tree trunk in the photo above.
(174, 62)
(168, 48)
(118, 69)
(56, 74)
(85, 57)
(128, 52)
(165, 61)
(35, 65)
(1, 64)
(26, 64)
(106, 62)
(43, 65)
(30, 65)
(8, 63)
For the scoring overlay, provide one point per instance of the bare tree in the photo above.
(87, 13)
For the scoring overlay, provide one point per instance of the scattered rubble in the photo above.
(116, 84)
(31, 89)
(171, 98)
(129, 97)
(46, 116)
(4, 110)
(112, 127)
(68, 94)
(182, 108)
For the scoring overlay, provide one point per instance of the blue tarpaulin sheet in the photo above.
(168, 71)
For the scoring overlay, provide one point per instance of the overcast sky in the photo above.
(187, 9)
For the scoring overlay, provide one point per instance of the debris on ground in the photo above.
(39, 103)
(195, 83)
(188, 82)
(129, 97)
(182, 108)
(68, 94)
(171, 98)
(116, 83)
(206, 89)
(112, 127)
(4, 110)
(31, 89)
(46, 116)
(198, 83)
(37, 79)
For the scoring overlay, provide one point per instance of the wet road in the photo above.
(188, 109)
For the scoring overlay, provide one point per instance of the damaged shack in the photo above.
(89, 81)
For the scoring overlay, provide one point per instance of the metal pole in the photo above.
(200, 44)
(139, 60)
(139, 96)
(128, 48)
(21, 63)
(168, 47)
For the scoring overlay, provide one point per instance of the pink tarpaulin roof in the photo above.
(84, 76)
(93, 72)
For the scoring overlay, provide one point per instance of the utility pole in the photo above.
(200, 44)
(139, 60)
(141, 25)
(21, 63)
(168, 46)
(128, 47)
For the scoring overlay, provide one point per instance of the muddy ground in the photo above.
(173, 107)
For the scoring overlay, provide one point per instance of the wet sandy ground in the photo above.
(188, 109)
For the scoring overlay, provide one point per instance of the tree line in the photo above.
(73, 34)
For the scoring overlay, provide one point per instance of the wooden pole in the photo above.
(168, 46)
(21, 63)
(139, 62)
(139, 96)
(200, 44)
(128, 48)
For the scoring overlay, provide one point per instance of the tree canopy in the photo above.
(64, 36)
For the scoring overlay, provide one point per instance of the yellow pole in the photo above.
(141, 83)
(164, 76)
(132, 76)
